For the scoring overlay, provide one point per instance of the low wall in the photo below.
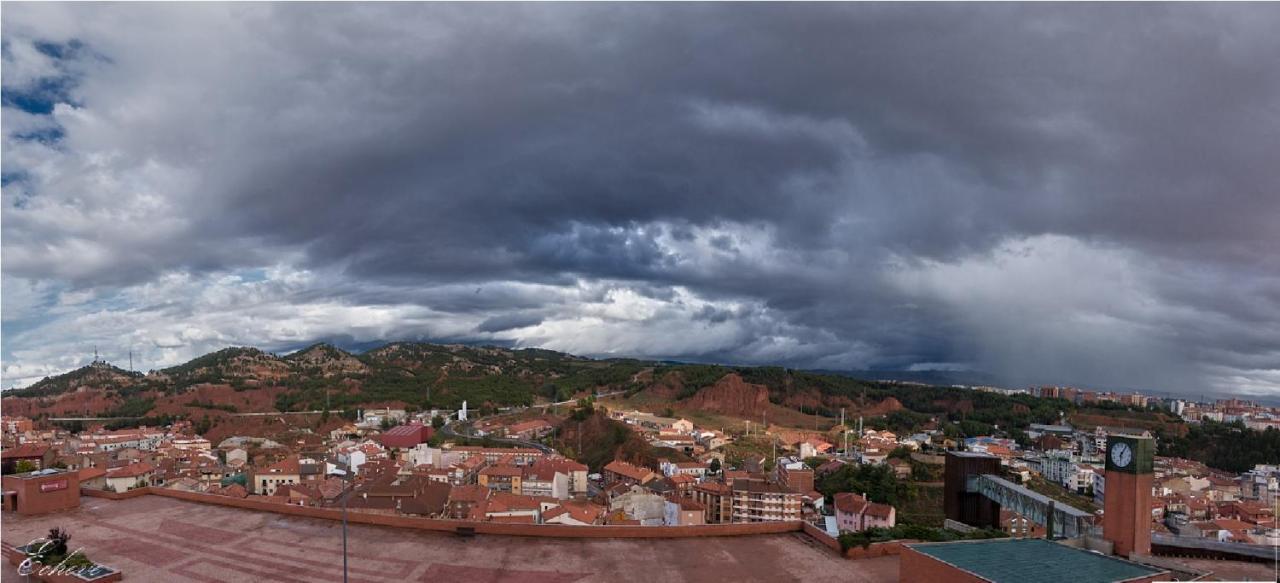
(134, 493)
(452, 526)
(821, 536)
(885, 549)
(891, 548)
(1183, 546)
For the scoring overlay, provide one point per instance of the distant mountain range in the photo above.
(217, 391)
(222, 384)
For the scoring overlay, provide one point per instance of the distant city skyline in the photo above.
(1069, 194)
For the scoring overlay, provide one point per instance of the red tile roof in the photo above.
(470, 493)
(131, 470)
(87, 474)
(25, 450)
(627, 470)
(288, 466)
(506, 502)
(879, 510)
(850, 503)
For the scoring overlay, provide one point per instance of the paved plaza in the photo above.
(152, 538)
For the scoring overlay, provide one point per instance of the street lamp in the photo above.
(346, 479)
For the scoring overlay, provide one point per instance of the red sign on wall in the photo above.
(53, 486)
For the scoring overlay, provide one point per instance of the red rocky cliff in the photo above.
(731, 396)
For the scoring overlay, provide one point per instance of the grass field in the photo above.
(1063, 495)
(924, 507)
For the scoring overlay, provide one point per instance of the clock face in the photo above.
(1121, 455)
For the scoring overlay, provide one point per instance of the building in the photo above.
(507, 507)
(1080, 478)
(616, 472)
(716, 499)
(39, 456)
(190, 444)
(558, 478)
(641, 505)
(574, 512)
(1015, 561)
(141, 438)
(755, 501)
(695, 469)
(395, 494)
(796, 476)
(958, 502)
(1262, 483)
(15, 425)
(286, 471)
(41, 491)
(95, 478)
(854, 513)
(135, 475)
(1057, 467)
(542, 479)
(1126, 519)
(502, 478)
(521, 456)
(682, 511)
(406, 436)
(463, 498)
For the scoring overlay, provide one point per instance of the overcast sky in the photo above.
(1084, 194)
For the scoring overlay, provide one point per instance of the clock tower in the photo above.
(1126, 519)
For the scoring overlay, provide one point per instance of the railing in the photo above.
(1171, 544)
(1061, 520)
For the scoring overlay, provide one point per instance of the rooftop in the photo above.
(152, 538)
(1021, 560)
(25, 450)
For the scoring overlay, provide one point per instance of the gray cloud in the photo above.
(842, 186)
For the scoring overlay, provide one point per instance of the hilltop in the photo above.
(213, 389)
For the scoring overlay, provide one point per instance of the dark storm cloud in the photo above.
(807, 172)
(508, 322)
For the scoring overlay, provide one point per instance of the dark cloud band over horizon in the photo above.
(1057, 193)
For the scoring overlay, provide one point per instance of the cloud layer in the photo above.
(1074, 194)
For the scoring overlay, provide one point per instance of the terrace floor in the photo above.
(152, 538)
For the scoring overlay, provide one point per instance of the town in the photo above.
(440, 464)
(625, 292)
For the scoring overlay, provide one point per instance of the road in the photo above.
(449, 431)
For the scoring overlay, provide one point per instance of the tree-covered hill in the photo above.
(425, 376)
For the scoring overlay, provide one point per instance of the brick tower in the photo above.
(1126, 520)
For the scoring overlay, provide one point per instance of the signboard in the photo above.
(53, 486)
